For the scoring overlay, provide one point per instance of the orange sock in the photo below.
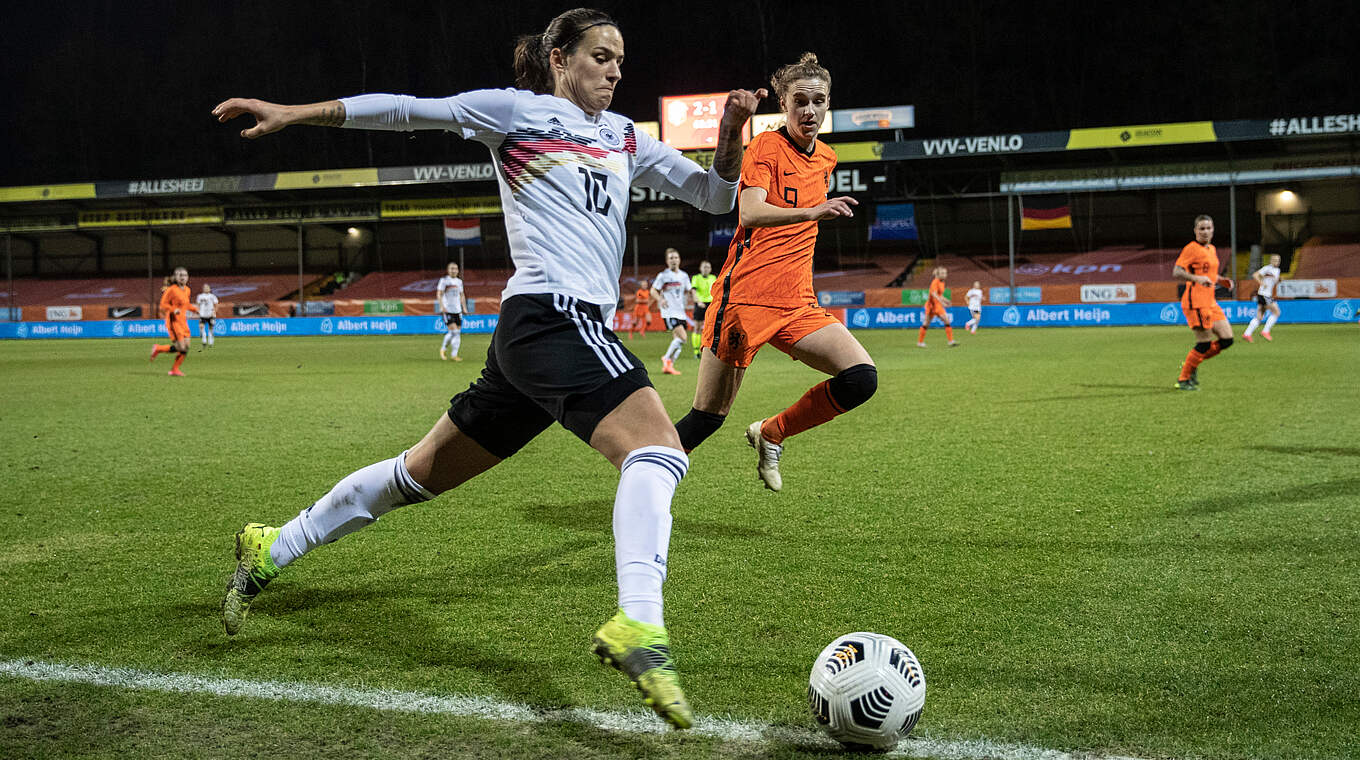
(163, 348)
(1214, 350)
(179, 359)
(1192, 361)
(815, 407)
(921, 336)
(949, 333)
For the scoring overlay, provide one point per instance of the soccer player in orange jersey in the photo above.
(764, 293)
(1198, 266)
(642, 314)
(176, 307)
(937, 307)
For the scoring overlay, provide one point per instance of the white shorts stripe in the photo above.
(566, 305)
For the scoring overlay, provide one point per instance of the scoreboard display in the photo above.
(690, 122)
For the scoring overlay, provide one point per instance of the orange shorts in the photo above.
(741, 329)
(933, 312)
(177, 328)
(1204, 319)
(642, 314)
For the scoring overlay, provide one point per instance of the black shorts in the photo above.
(1264, 301)
(700, 309)
(672, 323)
(452, 319)
(552, 357)
(206, 321)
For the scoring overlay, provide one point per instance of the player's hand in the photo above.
(1225, 282)
(740, 105)
(834, 207)
(269, 117)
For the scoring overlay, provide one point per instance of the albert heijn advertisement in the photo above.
(249, 327)
(1106, 314)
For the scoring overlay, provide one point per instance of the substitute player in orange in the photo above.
(764, 293)
(937, 307)
(642, 312)
(175, 306)
(1198, 266)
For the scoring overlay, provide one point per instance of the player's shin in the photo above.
(694, 428)
(359, 499)
(847, 390)
(642, 528)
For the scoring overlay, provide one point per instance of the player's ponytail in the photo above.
(532, 70)
(806, 68)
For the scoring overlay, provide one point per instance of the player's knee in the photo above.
(697, 426)
(1223, 343)
(852, 387)
(1203, 346)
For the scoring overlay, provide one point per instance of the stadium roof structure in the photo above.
(1189, 154)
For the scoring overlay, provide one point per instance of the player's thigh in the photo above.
(1222, 328)
(1202, 334)
(830, 349)
(640, 420)
(1274, 308)
(718, 384)
(446, 457)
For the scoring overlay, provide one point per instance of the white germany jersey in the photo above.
(452, 288)
(207, 305)
(673, 286)
(1269, 276)
(974, 299)
(564, 179)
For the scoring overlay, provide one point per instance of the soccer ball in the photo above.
(867, 690)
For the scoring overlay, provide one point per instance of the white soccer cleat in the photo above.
(767, 461)
(921, 345)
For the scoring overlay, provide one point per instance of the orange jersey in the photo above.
(936, 289)
(772, 266)
(641, 299)
(1201, 260)
(176, 297)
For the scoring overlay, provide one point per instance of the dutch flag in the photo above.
(462, 232)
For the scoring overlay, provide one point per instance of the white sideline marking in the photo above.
(483, 707)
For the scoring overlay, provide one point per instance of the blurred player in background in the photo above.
(671, 289)
(452, 305)
(552, 355)
(974, 299)
(1198, 267)
(176, 307)
(702, 284)
(1267, 277)
(642, 312)
(936, 307)
(764, 290)
(207, 316)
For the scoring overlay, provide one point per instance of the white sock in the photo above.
(1251, 327)
(674, 350)
(448, 337)
(1270, 322)
(457, 340)
(362, 497)
(642, 528)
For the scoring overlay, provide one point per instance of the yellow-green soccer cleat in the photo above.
(254, 569)
(642, 652)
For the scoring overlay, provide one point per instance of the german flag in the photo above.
(1045, 213)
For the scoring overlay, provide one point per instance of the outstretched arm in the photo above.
(727, 154)
(754, 211)
(271, 117)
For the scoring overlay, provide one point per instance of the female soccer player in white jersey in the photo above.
(564, 165)
(1267, 277)
(671, 289)
(452, 303)
(974, 299)
(207, 316)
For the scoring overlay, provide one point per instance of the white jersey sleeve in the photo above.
(480, 115)
(664, 168)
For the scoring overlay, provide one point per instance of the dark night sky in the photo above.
(122, 90)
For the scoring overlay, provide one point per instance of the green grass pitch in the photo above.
(1083, 558)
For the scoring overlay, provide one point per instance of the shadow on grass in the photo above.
(597, 515)
(1283, 497)
(1340, 451)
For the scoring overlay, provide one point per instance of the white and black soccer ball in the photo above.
(867, 690)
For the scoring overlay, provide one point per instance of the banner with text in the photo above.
(249, 327)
